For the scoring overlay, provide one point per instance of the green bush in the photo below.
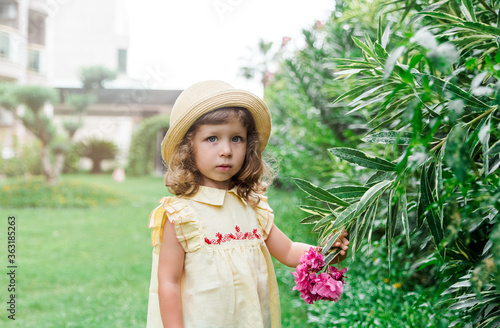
(72, 159)
(97, 150)
(432, 98)
(379, 295)
(419, 84)
(143, 148)
(26, 161)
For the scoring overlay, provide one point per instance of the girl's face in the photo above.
(219, 152)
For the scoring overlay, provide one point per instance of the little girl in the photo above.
(212, 243)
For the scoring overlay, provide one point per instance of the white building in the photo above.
(47, 42)
(86, 33)
(23, 50)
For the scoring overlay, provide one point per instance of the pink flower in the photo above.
(303, 278)
(319, 25)
(328, 287)
(314, 260)
(337, 274)
(285, 40)
(314, 285)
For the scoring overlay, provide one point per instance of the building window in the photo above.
(34, 61)
(4, 45)
(37, 59)
(8, 13)
(122, 61)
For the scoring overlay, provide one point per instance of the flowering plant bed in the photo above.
(315, 282)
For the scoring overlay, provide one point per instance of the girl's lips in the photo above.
(224, 167)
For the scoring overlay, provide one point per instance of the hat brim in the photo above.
(225, 98)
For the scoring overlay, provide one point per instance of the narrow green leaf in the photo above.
(464, 304)
(365, 94)
(362, 159)
(434, 6)
(371, 195)
(330, 242)
(312, 219)
(392, 60)
(425, 262)
(415, 60)
(330, 257)
(386, 36)
(491, 321)
(364, 47)
(404, 218)
(479, 27)
(461, 284)
(467, 9)
(484, 138)
(441, 15)
(364, 226)
(319, 193)
(448, 86)
(392, 217)
(379, 29)
(344, 192)
(389, 137)
(370, 101)
(351, 61)
(354, 228)
(348, 73)
(378, 177)
(351, 93)
(427, 200)
(380, 51)
(345, 217)
(495, 149)
(372, 219)
(327, 219)
(390, 105)
(314, 210)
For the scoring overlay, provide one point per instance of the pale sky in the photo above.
(174, 44)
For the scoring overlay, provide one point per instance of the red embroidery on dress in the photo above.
(231, 236)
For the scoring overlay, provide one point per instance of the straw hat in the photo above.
(204, 97)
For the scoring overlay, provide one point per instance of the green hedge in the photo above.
(142, 154)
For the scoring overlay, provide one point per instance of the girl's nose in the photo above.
(225, 149)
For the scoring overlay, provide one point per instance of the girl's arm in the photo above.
(289, 252)
(170, 268)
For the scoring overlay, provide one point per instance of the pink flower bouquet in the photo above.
(314, 285)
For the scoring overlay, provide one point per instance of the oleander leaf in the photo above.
(319, 193)
(362, 159)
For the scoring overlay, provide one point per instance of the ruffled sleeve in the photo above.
(186, 225)
(265, 215)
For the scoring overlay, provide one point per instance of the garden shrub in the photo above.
(423, 82)
(143, 148)
(96, 150)
(26, 161)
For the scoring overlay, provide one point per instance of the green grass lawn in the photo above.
(90, 267)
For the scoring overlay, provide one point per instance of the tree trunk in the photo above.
(96, 166)
(50, 170)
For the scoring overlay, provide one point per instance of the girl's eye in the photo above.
(212, 139)
(237, 139)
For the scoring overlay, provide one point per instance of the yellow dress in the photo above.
(228, 279)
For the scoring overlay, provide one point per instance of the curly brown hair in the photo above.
(183, 178)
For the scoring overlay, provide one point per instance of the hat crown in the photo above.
(207, 96)
(193, 95)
